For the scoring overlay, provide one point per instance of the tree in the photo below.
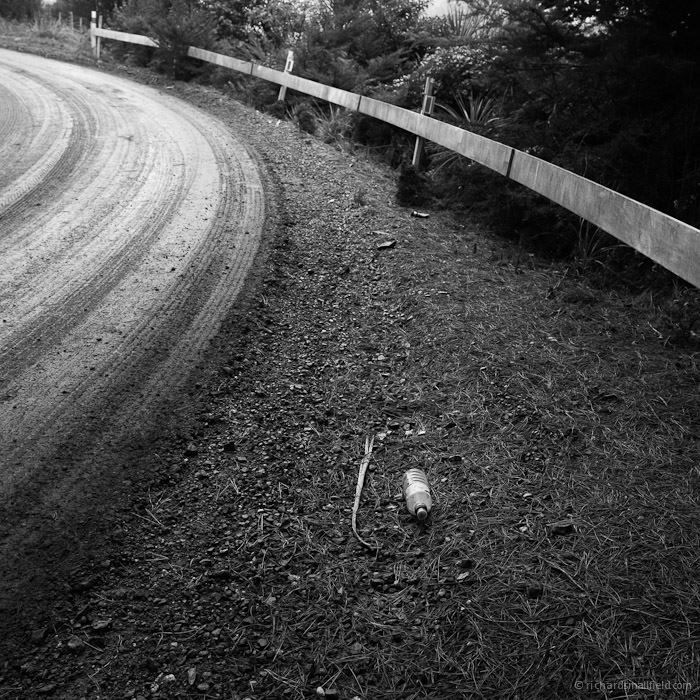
(232, 16)
(20, 9)
(185, 24)
(367, 29)
(276, 22)
(83, 8)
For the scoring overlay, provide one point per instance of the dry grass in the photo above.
(49, 38)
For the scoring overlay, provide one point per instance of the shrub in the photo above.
(184, 25)
(333, 124)
(175, 26)
(133, 18)
(277, 109)
(20, 9)
(455, 69)
(304, 116)
(412, 188)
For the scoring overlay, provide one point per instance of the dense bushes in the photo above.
(20, 9)
(607, 89)
(175, 25)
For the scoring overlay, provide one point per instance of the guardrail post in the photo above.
(427, 108)
(99, 39)
(93, 26)
(288, 66)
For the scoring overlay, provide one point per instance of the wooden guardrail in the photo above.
(672, 243)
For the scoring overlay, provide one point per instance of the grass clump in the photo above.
(46, 37)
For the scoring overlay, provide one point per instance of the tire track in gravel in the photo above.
(124, 245)
(41, 152)
(22, 348)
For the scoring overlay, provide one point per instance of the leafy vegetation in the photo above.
(20, 9)
(607, 89)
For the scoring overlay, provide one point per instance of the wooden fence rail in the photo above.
(672, 243)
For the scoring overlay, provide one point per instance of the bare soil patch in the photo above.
(557, 422)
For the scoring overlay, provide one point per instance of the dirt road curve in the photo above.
(128, 220)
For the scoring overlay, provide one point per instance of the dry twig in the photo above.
(369, 443)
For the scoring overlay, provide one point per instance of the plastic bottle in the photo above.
(416, 491)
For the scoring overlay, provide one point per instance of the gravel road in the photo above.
(128, 221)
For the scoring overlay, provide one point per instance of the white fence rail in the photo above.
(672, 243)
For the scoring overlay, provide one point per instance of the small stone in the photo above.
(385, 245)
(564, 527)
(320, 692)
(75, 644)
(84, 585)
(101, 625)
(191, 450)
(38, 635)
(191, 675)
(203, 687)
(46, 689)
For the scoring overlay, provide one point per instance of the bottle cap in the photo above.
(421, 513)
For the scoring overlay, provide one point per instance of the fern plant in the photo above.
(472, 111)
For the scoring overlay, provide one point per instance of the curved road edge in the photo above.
(103, 334)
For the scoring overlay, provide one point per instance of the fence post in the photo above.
(99, 39)
(93, 26)
(288, 66)
(427, 108)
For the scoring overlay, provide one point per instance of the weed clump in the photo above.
(304, 117)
